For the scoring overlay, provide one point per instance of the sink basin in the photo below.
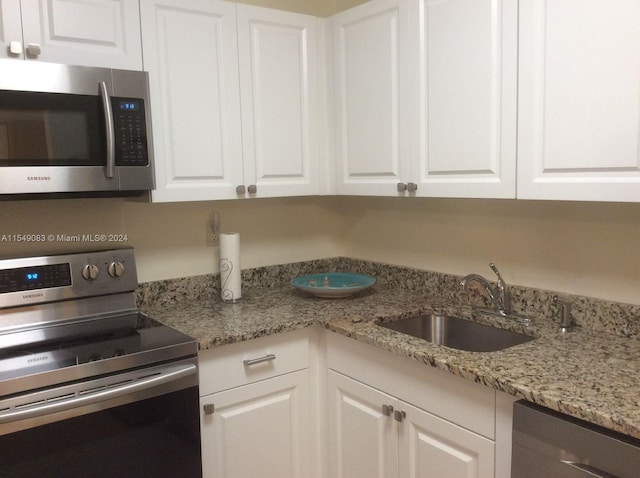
(457, 333)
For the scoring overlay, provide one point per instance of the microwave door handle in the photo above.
(110, 167)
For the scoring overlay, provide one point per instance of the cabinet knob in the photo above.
(33, 49)
(387, 410)
(399, 415)
(252, 189)
(209, 408)
(402, 187)
(412, 187)
(15, 48)
(240, 189)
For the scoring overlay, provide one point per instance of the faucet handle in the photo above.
(497, 272)
(503, 290)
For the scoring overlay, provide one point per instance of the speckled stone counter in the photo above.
(585, 373)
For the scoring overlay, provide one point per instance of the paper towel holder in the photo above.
(229, 267)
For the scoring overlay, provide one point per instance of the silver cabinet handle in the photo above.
(252, 189)
(402, 187)
(387, 410)
(240, 189)
(15, 48)
(412, 187)
(399, 415)
(33, 49)
(266, 358)
(209, 408)
(110, 167)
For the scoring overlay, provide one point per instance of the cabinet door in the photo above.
(10, 27)
(363, 440)
(83, 32)
(579, 91)
(465, 52)
(192, 58)
(431, 447)
(370, 83)
(278, 78)
(258, 430)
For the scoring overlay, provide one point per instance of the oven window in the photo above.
(153, 438)
(51, 129)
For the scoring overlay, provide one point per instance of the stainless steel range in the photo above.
(89, 386)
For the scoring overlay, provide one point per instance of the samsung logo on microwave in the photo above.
(38, 178)
(33, 296)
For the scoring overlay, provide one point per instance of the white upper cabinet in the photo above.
(80, 32)
(191, 55)
(370, 50)
(234, 91)
(279, 84)
(465, 60)
(426, 98)
(579, 97)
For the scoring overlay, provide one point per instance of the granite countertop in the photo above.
(586, 374)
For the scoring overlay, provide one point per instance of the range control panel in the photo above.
(34, 277)
(33, 280)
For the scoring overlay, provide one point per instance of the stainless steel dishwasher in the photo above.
(547, 444)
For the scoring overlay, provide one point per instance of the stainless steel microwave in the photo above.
(73, 130)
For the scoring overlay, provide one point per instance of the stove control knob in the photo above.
(90, 272)
(116, 269)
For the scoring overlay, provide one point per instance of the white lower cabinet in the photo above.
(255, 409)
(315, 404)
(431, 447)
(259, 429)
(362, 437)
(393, 417)
(374, 434)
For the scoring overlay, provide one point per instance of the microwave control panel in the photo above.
(130, 131)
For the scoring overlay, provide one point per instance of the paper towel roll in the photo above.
(230, 280)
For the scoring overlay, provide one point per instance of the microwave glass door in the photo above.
(51, 129)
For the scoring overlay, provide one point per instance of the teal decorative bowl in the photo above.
(333, 285)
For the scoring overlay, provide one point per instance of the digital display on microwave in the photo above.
(128, 105)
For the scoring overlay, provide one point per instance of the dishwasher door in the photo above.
(547, 444)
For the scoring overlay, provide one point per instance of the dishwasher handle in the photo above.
(591, 470)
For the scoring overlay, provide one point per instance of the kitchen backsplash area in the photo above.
(588, 313)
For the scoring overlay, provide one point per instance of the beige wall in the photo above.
(582, 248)
(170, 239)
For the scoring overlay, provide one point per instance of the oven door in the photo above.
(139, 423)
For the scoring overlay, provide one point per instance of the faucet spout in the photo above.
(499, 295)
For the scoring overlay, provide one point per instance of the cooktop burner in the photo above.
(146, 335)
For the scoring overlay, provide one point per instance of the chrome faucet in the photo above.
(498, 295)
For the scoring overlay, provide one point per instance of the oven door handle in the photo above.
(158, 377)
(110, 167)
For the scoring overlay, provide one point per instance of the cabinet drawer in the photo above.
(258, 359)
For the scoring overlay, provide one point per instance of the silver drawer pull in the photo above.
(266, 358)
(590, 470)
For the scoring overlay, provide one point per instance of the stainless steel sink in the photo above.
(457, 333)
